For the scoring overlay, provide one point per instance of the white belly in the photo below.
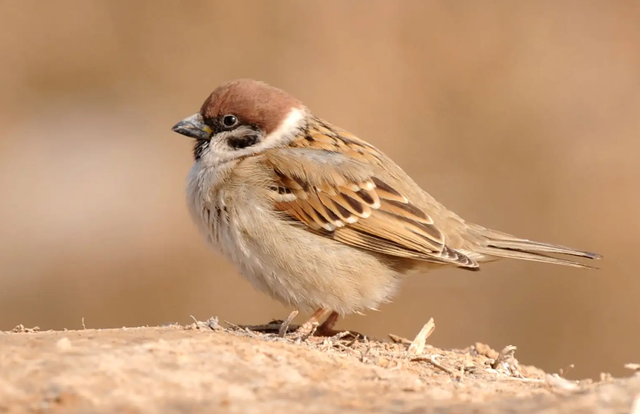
(290, 264)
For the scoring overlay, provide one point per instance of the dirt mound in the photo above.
(205, 367)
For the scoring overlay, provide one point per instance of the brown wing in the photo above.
(339, 196)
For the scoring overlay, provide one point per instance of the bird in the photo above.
(320, 219)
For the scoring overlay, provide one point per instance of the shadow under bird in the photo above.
(318, 218)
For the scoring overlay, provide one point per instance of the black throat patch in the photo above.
(201, 146)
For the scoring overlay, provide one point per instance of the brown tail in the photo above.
(498, 244)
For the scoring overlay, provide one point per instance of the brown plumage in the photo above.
(317, 217)
(357, 207)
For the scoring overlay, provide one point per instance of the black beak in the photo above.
(193, 127)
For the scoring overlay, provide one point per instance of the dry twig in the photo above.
(399, 340)
(432, 360)
(417, 346)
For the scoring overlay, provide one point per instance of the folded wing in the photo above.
(341, 197)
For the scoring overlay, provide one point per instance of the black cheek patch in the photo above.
(243, 141)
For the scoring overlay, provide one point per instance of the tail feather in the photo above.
(498, 244)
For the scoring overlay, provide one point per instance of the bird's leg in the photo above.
(311, 325)
(326, 328)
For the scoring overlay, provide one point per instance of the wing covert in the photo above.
(343, 198)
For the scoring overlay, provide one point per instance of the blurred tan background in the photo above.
(522, 116)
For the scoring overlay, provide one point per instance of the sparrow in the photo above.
(318, 218)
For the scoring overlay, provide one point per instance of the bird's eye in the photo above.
(229, 120)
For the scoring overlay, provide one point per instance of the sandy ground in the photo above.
(207, 367)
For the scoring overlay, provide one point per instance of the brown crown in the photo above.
(252, 102)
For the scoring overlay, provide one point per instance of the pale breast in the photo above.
(209, 206)
(285, 261)
(212, 198)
